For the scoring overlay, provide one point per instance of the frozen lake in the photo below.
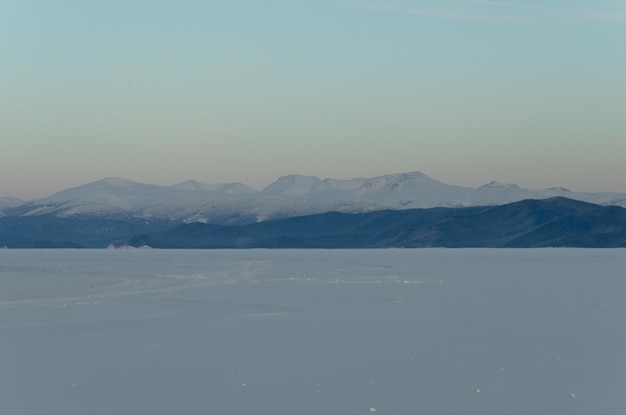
(313, 332)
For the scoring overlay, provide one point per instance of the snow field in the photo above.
(330, 332)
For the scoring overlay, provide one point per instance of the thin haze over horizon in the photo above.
(465, 91)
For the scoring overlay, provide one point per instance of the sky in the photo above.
(161, 91)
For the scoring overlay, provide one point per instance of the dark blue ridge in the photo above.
(555, 222)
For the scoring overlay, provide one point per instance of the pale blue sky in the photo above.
(466, 91)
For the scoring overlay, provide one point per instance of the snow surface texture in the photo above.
(284, 332)
(293, 195)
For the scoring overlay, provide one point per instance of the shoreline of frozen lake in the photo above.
(326, 332)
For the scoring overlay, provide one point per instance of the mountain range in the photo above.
(289, 196)
(113, 211)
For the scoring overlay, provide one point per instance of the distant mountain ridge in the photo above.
(555, 222)
(289, 196)
(296, 211)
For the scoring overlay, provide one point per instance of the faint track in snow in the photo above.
(138, 285)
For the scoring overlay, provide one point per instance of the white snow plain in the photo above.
(313, 332)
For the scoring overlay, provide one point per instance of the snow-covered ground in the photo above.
(313, 332)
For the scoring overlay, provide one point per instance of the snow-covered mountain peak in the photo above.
(101, 188)
(228, 188)
(8, 201)
(403, 185)
(410, 176)
(111, 195)
(294, 185)
(399, 181)
(364, 185)
(232, 188)
(190, 185)
(114, 182)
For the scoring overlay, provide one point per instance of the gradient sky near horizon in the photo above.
(160, 91)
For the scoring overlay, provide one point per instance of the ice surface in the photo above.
(326, 332)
